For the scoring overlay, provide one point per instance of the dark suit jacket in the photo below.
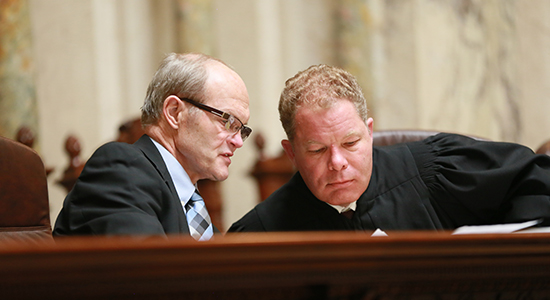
(123, 189)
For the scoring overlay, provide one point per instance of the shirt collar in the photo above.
(341, 209)
(180, 178)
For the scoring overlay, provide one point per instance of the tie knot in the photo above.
(348, 213)
(196, 197)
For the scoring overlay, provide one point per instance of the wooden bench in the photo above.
(313, 265)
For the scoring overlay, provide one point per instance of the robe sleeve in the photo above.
(473, 182)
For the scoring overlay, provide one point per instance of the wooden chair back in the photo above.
(24, 204)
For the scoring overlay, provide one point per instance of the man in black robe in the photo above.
(344, 183)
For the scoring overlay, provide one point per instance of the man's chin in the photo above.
(219, 176)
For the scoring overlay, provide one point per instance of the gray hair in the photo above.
(182, 75)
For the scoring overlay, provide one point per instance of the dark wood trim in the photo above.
(334, 265)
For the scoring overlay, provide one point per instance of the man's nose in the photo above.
(236, 139)
(337, 161)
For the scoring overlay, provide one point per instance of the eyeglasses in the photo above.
(232, 123)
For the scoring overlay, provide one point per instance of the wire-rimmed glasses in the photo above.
(232, 123)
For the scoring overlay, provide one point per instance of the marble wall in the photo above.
(194, 26)
(478, 67)
(17, 88)
(532, 70)
(475, 67)
(463, 67)
(94, 60)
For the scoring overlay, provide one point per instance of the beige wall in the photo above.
(93, 59)
(478, 67)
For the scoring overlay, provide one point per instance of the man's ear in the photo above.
(287, 146)
(172, 109)
(370, 122)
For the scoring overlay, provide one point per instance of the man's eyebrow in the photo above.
(231, 112)
(352, 133)
(312, 142)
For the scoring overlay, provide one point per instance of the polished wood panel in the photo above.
(337, 265)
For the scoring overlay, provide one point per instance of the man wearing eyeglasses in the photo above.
(194, 118)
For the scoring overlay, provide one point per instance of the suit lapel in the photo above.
(153, 155)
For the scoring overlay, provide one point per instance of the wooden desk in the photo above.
(414, 265)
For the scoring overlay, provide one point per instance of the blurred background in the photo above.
(80, 68)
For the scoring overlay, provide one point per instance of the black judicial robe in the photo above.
(443, 182)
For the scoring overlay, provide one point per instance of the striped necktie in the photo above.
(198, 219)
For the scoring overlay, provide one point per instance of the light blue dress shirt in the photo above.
(180, 178)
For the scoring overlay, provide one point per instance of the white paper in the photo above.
(379, 232)
(498, 228)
